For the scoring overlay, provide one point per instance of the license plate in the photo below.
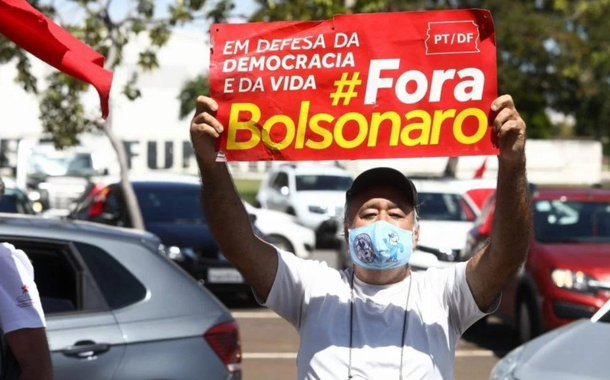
(224, 275)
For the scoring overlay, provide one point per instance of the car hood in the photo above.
(321, 198)
(593, 259)
(443, 234)
(184, 235)
(578, 351)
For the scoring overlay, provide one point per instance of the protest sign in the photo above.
(388, 85)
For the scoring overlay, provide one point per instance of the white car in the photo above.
(313, 193)
(447, 213)
(281, 230)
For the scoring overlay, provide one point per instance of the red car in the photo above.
(567, 272)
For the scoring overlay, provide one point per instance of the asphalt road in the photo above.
(270, 344)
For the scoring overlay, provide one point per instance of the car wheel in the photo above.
(528, 326)
(280, 242)
(290, 211)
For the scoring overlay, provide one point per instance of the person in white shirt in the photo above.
(377, 320)
(22, 322)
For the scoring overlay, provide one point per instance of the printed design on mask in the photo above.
(363, 248)
(392, 242)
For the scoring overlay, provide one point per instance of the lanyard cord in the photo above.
(405, 327)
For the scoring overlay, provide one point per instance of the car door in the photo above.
(84, 337)
(279, 192)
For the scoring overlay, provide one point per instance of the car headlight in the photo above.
(318, 209)
(506, 367)
(575, 281)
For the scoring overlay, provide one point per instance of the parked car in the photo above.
(15, 201)
(312, 193)
(282, 231)
(578, 351)
(446, 214)
(567, 272)
(171, 210)
(117, 308)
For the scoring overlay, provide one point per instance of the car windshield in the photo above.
(323, 182)
(166, 204)
(79, 165)
(15, 202)
(443, 206)
(557, 221)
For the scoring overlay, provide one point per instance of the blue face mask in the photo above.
(380, 246)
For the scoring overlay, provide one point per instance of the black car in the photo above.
(171, 210)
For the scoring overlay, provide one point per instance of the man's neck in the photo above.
(381, 277)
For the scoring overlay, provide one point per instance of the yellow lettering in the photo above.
(376, 121)
(302, 128)
(423, 127)
(362, 130)
(249, 125)
(314, 125)
(439, 118)
(458, 131)
(290, 132)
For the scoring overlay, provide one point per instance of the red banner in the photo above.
(389, 85)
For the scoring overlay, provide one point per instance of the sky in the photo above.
(70, 11)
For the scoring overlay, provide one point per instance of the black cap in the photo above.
(384, 177)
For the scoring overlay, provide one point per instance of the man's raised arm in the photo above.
(226, 215)
(490, 269)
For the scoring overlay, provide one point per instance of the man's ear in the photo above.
(415, 237)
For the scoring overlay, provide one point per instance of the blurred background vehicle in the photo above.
(567, 272)
(312, 193)
(15, 200)
(578, 351)
(171, 209)
(117, 308)
(54, 179)
(282, 231)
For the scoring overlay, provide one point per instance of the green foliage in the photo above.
(189, 92)
(62, 113)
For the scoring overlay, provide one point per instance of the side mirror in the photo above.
(284, 190)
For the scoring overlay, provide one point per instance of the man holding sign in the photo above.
(377, 320)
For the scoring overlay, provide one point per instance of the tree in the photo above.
(62, 112)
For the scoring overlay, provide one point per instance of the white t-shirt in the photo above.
(315, 299)
(20, 306)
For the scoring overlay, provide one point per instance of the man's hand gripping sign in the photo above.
(385, 85)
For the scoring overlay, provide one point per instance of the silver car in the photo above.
(118, 309)
(578, 351)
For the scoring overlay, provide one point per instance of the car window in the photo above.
(557, 221)
(119, 287)
(323, 182)
(171, 204)
(442, 206)
(15, 202)
(281, 180)
(56, 276)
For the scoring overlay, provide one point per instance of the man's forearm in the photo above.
(226, 215)
(512, 220)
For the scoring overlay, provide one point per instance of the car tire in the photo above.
(528, 323)
(281, 242)
(290, 211)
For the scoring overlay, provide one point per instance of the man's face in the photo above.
(380, 203)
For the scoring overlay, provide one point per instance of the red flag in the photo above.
(479, 173)
(34, 32)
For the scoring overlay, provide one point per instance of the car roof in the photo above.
(154, 178)
(441, 185)
(321, 169)
(575, 194)
(34, 226)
